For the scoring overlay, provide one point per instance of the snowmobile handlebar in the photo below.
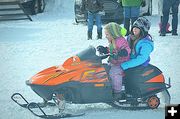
(104, 56)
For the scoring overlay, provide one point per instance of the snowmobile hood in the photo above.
(72, 69)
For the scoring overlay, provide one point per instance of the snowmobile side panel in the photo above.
(81, 93)
(141, 80)
(77, 92)
(96, 92)
(159, 79)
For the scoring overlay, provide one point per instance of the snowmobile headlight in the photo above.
(29, 82)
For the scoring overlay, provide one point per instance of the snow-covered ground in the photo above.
(28, 47)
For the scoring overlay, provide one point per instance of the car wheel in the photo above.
(42, 5)
(76, 21)
(35, 7)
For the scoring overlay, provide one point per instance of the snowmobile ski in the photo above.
(16, 97)
(21, 101)
(53, 116)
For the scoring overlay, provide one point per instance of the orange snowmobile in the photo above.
(84, 79)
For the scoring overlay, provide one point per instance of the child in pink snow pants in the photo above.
(119, 51)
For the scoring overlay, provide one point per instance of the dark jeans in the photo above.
(167, 5)
(130, 15)
(97, 17)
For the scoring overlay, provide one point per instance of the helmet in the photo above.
(143, 24)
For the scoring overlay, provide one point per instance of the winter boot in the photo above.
(174, 32)
(117, 95)
(89, 35)
(167, 28)
(99, 36)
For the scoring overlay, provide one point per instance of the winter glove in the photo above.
(122, 53)
(101, 13)
(114, 56)
(143, 3)
(102, 49)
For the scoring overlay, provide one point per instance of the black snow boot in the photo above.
(89, 35)
(99, 35)
(119, 95)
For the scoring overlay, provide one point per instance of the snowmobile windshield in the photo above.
(89, 54)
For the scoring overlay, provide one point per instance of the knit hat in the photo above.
(115, 30)
(143, 24)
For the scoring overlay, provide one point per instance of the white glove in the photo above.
(101, 12)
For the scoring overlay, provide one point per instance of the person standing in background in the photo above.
(131, 11)
(94, 9)
(160, 12)
(167, 5)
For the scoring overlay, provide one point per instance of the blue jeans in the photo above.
(130, 15)
(97, 17)
(167, 4)
(130, 12)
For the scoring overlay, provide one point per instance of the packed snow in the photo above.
(28, 47)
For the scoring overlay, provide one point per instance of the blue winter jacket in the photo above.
(143, 48)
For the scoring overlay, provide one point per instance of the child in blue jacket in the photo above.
(141, 44)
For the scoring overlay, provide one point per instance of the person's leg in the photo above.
(90, 24)
(165, 17)
(115, 75)
(134, 14)
(99, 26)
(160, 24)
(175, 8)
(167, 26)
(127, 18)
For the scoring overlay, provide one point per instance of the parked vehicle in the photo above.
(113, 10)
(33, 7)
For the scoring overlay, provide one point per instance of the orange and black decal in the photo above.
(157, 79)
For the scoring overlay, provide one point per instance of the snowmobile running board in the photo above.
(30, 106)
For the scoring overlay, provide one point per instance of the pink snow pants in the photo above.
(116, 74)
